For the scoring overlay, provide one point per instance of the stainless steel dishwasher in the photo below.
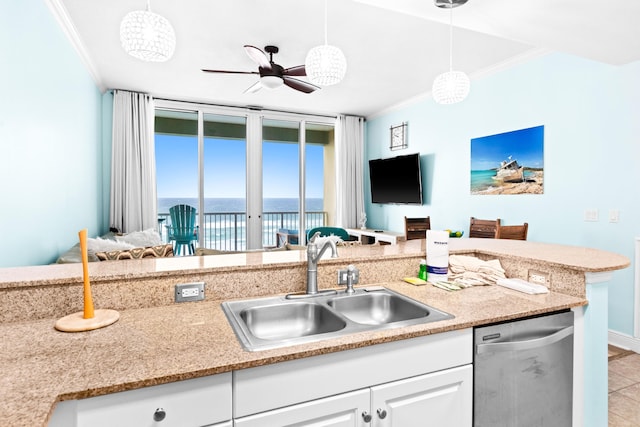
(523, 372)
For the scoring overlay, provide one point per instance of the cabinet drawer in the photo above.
(196, 402)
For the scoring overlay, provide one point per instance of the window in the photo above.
(245, 172)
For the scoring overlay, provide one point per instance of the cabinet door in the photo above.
(442, 399)
(343, 410)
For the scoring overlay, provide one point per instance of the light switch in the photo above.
(591, 215)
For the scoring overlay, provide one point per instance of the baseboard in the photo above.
(624, 341)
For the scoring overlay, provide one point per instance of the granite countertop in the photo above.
(41, 366)
(569, 257)
(167, 343)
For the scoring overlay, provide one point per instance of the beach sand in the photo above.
(534, 185)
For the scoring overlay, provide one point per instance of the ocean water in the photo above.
(483, 179)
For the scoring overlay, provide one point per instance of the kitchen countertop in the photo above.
(164, 344)
(157, 345)
(570, 257)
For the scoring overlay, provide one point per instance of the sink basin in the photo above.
(378, 308)
(285, 321)
(274, 322)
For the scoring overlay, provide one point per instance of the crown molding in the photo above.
(62, 16)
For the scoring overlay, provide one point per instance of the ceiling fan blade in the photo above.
(295, 71)
(300, 85)
(230, 72)
(258, 56)
(254, 88)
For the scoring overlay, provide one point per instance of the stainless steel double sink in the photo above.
(273, 322)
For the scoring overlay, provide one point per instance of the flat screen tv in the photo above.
(396, 180)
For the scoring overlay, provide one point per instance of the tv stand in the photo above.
(370, 236)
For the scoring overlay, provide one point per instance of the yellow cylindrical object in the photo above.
(88, 300)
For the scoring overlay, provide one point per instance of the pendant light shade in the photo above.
(147, 36)
(325, 65)
(452, 86)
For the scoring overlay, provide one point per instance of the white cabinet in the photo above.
(413, 382)
(197, 402)
(311, 378)
(440, 399)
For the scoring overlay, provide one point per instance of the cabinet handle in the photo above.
(366, 417)
(382, 414)
(159, 415)
(526, 344)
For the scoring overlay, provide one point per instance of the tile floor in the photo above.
(624, 388)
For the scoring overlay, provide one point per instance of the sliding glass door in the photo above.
(281, 182)
(224, 175)
(176, 152)
(298, 176)
(252, 176)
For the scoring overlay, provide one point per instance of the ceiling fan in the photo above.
(271, 74)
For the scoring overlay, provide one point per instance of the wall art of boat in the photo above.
(509, 171)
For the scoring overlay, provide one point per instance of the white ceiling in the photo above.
(394, 48)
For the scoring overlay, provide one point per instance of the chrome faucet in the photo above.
(313, 255)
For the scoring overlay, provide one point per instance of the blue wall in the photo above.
(591, 153)
(51, 173)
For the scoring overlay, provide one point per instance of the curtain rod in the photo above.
(248, 107)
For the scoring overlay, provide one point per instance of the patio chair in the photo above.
(183, 230)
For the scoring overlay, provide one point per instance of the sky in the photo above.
(225, 168)
(525, 145)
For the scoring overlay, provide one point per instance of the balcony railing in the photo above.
(228, 232)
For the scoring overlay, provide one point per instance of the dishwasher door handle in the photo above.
(524, 345)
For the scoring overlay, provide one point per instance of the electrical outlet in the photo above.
(614, 215)
(539, 277)
(189, 292)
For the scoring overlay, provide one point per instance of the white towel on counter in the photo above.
(471, 271)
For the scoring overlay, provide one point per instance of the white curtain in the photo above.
(349, 170)
(133, 166)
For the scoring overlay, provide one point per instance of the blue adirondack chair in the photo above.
(183, 230)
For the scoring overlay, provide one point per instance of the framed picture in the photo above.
(399, 136)
(508, 163)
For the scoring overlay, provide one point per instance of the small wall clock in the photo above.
(399, 136)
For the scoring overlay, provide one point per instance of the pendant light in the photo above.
(147, 36)
(453, 86)
(325, 65)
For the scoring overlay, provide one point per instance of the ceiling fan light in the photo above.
(451, 87)
(147, 36)
(271, 82)
(325, 65)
